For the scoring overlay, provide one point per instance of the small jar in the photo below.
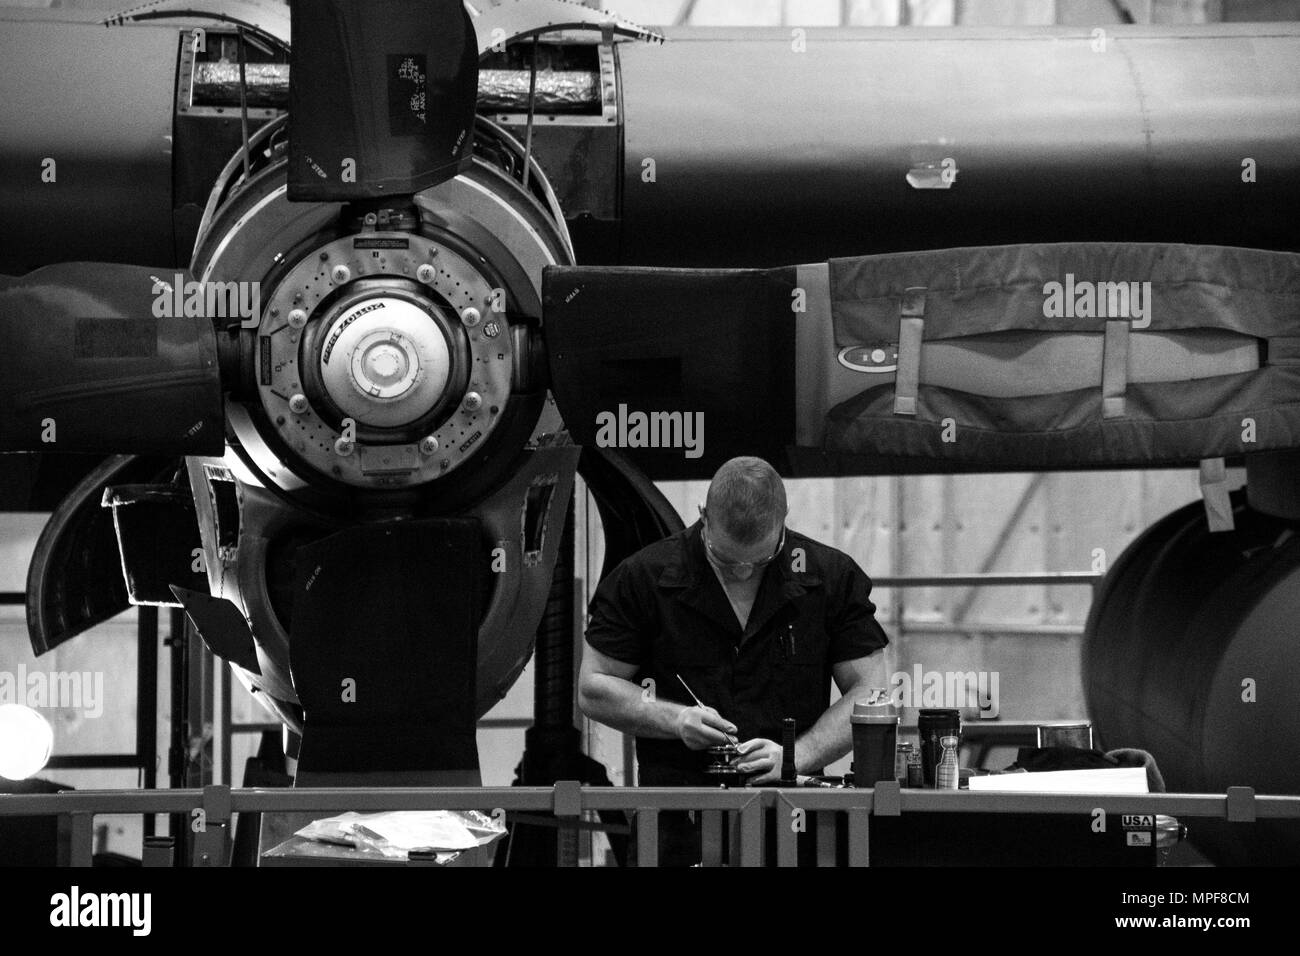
(915, 773)
(902, 756)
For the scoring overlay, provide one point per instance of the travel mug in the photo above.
(875, 737)
(933, 726)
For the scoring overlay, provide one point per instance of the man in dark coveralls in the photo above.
(756, 618)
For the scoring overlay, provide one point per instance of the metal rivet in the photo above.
(299, 404)
(343, 447)
(428, 445)
(426, 273)
(878, 356)
(340, 274)
(297, 318)
(471, 317)
(473, 401)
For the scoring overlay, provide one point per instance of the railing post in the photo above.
(787, 850)
(158, 851)
(859, 836)
(751, 832)
(887, 799)
(1239, 805)
(647, 836)
(826, 821)
(568, 809)
(80, 833)
(711, 837)
(212, 841)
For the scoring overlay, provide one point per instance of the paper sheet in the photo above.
(1104, 780)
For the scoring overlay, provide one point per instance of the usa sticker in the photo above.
(1138, 838)
(1138, 821)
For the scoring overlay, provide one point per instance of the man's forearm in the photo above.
(622, 705)
(831, 737)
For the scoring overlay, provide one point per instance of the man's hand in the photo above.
(761, 757)
(701, 727)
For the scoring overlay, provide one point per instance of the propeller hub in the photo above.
(384, 350)
(385, 366)
(386, 353)
(384, 361)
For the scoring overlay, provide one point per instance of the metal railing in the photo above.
(569, 802)
(989, 579)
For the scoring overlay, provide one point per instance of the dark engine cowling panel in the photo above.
(1190, 652)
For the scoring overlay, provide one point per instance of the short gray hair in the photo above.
(746, 500)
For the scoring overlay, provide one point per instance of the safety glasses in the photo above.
(738, 566)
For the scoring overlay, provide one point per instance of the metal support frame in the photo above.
(987, 579)
(145, 757)
(77, 810)
(146, 693)
(998, 579)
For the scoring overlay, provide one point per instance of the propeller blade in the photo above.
(75, 580)
(269, 21)
(381, 97)
(222, 627)
(712, 350)
(497, 22)
(96, 360)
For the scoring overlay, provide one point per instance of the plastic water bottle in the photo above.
(945, 773)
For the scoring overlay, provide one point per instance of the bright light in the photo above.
(25, 741)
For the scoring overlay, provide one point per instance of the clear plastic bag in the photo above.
(394, 834)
